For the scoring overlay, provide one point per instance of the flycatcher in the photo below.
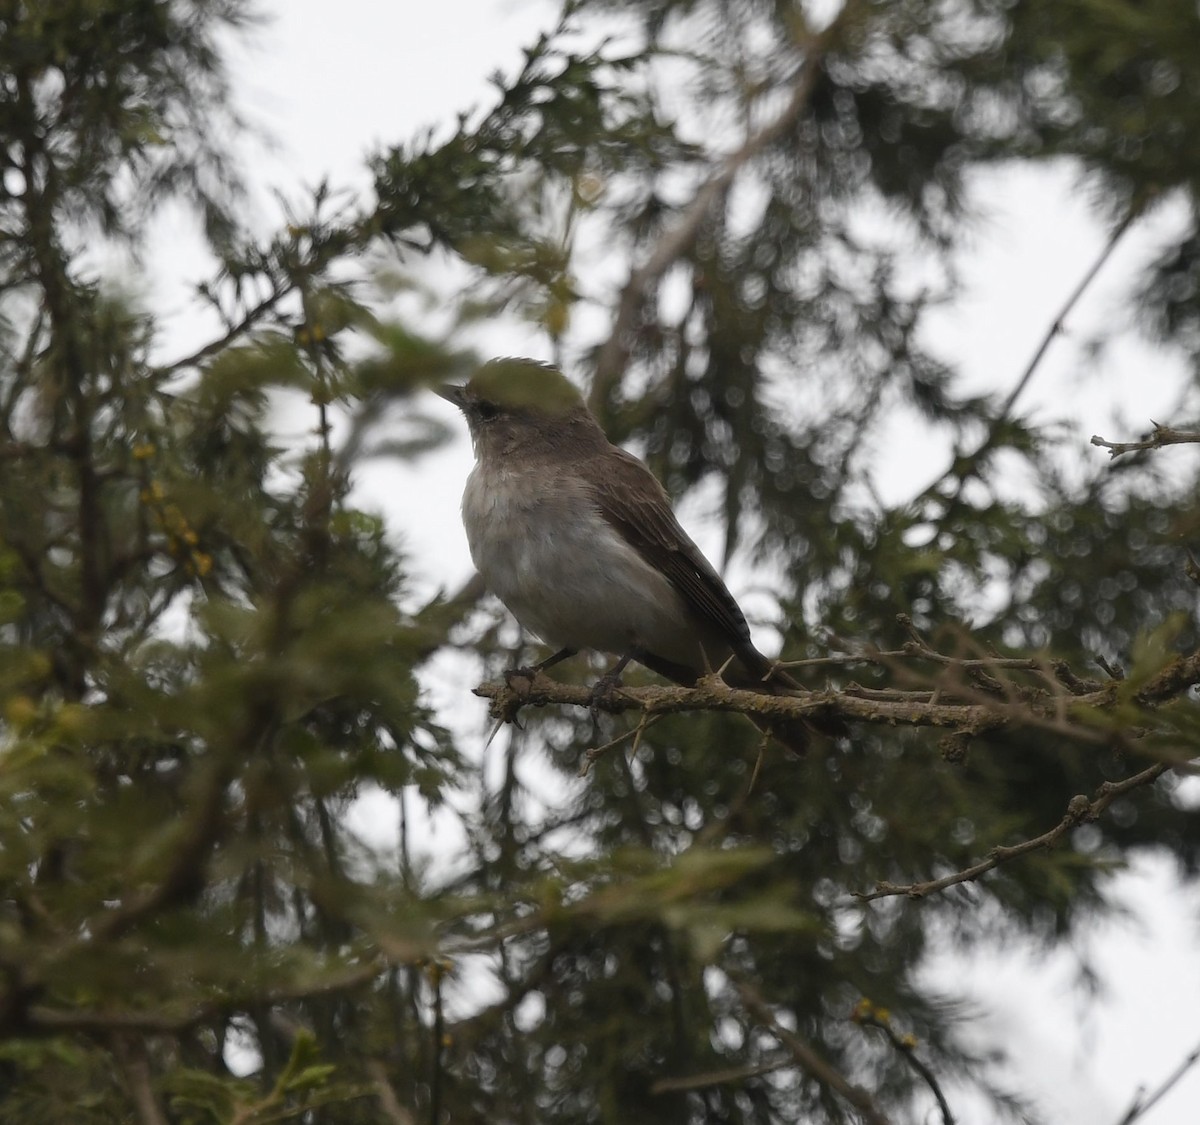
(577, 538)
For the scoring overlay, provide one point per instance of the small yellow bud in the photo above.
(318, 333)
(39, 666)
(20, 710)
(143, 451)
(556, 317)
(909, 1041)
(190, 537)
(70, 718)
(203, 563)
(447, 1040)
(882, 1015)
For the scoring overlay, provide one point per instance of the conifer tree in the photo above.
(209, 650)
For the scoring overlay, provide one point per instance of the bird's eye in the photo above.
(487, 410)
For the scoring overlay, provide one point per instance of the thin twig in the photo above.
(1142, 1102)
(721, 1077)
(1159, 436)
(1079, 811)
(808, 1059)
(905, 1046)
(758, 761)
(247, 321)
(58, 1020)
(130, 1056)
(614, 352)
(389, 1104)
(437, 1054)
(594, 754)
(1055, 672)
(1056, 326)
(995, 425)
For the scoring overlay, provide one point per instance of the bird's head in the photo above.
(513, 402)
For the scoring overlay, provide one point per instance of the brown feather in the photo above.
(633, 502)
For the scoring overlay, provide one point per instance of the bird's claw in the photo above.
(507, 706)
(603, 689)
(528, 674)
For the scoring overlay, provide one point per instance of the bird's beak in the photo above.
(452, 392)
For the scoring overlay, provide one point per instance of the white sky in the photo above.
(331, 83)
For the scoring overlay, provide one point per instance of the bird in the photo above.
(578, 539)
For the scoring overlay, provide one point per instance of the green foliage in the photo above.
(209, 654)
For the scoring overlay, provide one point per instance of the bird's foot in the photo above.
(528, 674)
(519, 682)
(603, 690)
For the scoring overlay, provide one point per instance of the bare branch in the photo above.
(1079, 811)
(389, 1104)
(591, 756)
(1176, 677)
(130, 1055)
(1056, 325)
(995, 426)
(972, 695)
(1159, 436)
(713, 694)
(613, 353)
(807, 1059)
(946, 707)
(905, 1045)
(1142, 1102)
(720, 1077)
(44, 1018)
(1055, 672)
(243, 325)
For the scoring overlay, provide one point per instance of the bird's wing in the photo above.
(636, 506)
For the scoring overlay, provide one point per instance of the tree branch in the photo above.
(135, 1067)
(951, 704)
(905, 1045)
(389, 1104)
(1143, 1102)
(239, 328)
(1079, 811)
(614, 352)
(56, 1020)
(1056, 325)
(1052, 333)
(1159, 436)
(720, 1077)
(807, 1059)
(713, 694)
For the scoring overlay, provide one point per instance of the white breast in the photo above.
(564, 573)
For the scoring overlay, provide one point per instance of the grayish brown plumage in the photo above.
(577, 538)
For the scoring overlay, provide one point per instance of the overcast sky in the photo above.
(333, 82)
